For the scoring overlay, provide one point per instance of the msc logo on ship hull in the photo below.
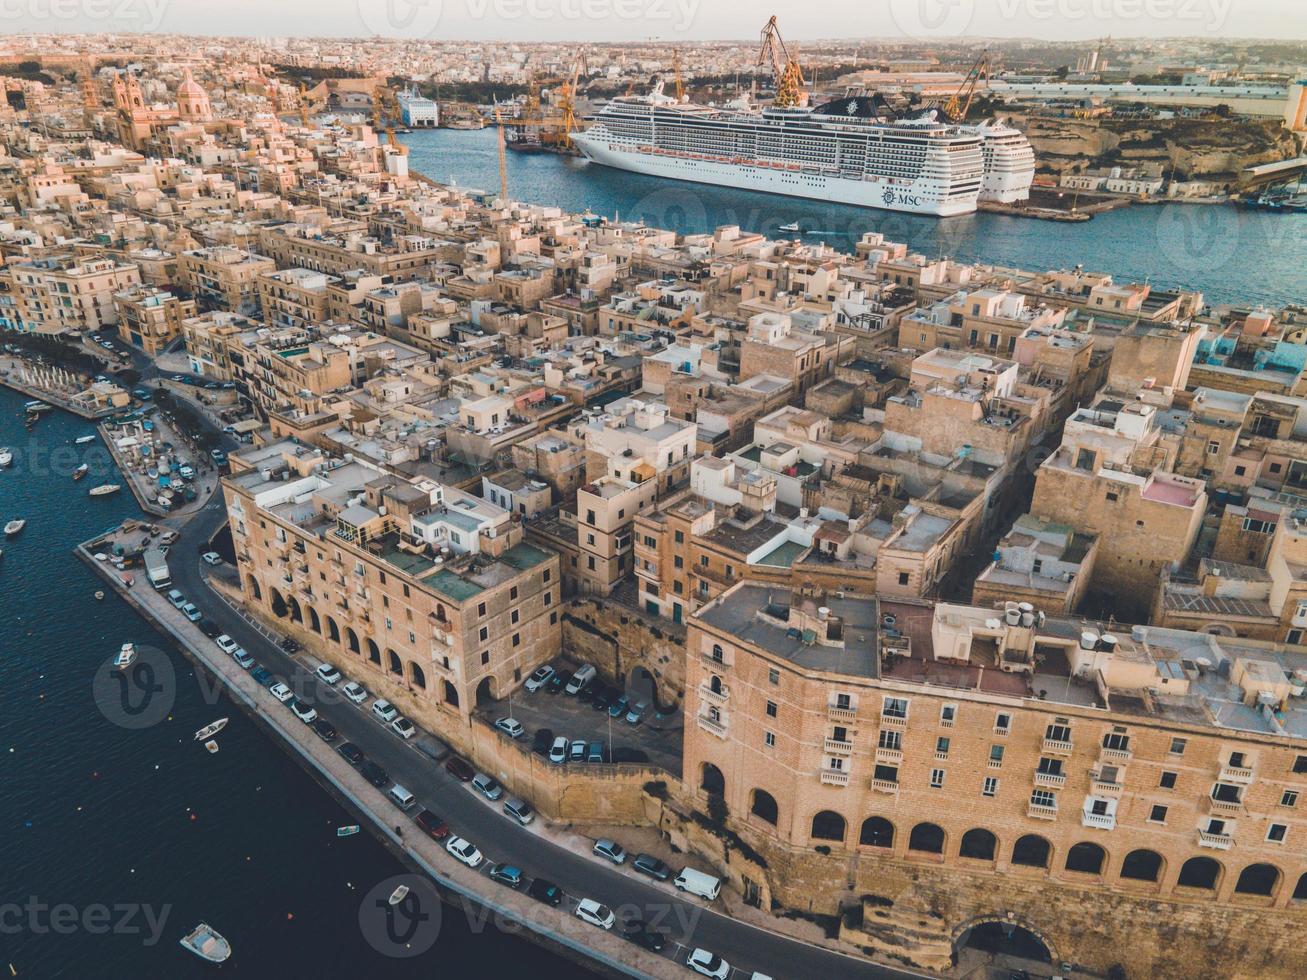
(902, 197)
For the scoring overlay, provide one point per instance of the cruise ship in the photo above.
(850, 150)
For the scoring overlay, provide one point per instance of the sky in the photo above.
(670, 20)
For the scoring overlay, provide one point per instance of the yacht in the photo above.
(104, 489)
(14, 526)
(210, 730)
(126, 657)
(83, 440)
(6, 456)
(206, 943)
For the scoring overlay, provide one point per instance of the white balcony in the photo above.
(891, 757)
(1055, 779)
(712, 725)
(1102, 821)
(1234, 774)
(1040, 812)
(836, 713)
(893, 721)
(1224, 808)
(835, 777)
(1056, 746)
(837, 746)
(719, 697)
(1115, 755)
(885, 785)
(1222, 842)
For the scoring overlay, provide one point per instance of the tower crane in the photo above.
(788, 72)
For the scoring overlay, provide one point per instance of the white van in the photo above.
(698, 883)
(401, 797)
(583, 676)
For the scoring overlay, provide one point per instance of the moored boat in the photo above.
(349, 831)
(104, 489)
(14, 526)
(206, 943)
(208, 731)
(83, 440)
(6, 457)
(126, 657)
(81, 471)
(398, 895)
(211, 745)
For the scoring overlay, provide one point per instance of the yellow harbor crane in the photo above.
(676, 75)
(788, 72)
(959, 103)
(503, 158)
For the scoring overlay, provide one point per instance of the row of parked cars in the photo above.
(584, 685)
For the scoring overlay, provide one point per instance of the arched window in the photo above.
(715, 684)
(315, 623)
(374, 651)
(1142, 865)
(927, 837)
(1258, 879)
(1200, 872)
(978, 843)
(1086, 858)
(828, 825)
(396, 665)
(255, 590)
(711, 779)
(1300, 889)
(352, 640)
(717, 653)
(440, 612)
(296, 613)
(1032, 851)
(764, 806)
(876, 832)
(278, 604)
(451, 695)
(417, 676)
(333, 631)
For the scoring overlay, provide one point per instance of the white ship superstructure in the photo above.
(846, 151)
(1009, 163)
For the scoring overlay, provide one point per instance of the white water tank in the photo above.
(1012, 613)
(823, 612)
(1108, 641)
(1089, 640)
(1027, 614)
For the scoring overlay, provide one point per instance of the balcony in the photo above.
(834, 777)
(719, 697)
(837, 746)
(711, 725)
(1100, 788)
(885, 785)
(891, 757)
(941, 756)
(713, 663)
(1101, 821)
(1041, 812)
(1235, 774)
(1222, 842)
(1224, 808)
(836, 713)
(1055, 779)
(1114, 755)
(892, 721)
(1056, 746)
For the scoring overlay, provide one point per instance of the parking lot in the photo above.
(658, 737)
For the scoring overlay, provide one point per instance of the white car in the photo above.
(595, 913)
(539, 678)
(355, 692)
(243, 659)
(558, 751)
(708, 964)
(402, 727)
(510, 727)
(465, 851)
(281, 692)
(226, 644)
(384, 711)
(304, 712)
(212, 557)
(328, 674)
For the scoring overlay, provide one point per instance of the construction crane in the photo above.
(503, 158)
(676, 75)
(788, 72)
(959, 103)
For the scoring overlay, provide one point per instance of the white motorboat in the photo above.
(81, 471)
(104, 489)
(206, 943)
(211, 745)
(83, 440)
(398, 895)
(792, 226)
(208, 731)
(6, 457)
(126, 657)
(14, 526)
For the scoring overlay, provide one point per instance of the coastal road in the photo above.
(688, 922)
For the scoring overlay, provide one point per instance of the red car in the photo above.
(433, 825)
(459, 769)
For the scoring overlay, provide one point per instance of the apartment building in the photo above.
(427, 595)
(150, 317)
(294, 297)
(67, 294)
(989, 320)
(224, 278)
(774, 346)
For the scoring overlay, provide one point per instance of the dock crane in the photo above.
(676, 75)
(959, 103)
(788, 72)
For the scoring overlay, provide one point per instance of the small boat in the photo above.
(14, 526)
(398, 895)
(212, 746)
(104, 489)
(208, 731)
(349, 831)
(792, 226)
(99, 594)
(125, 658)
(205, 942)
(81, 471)
(6, 457)
(36, 408)
(83, 440)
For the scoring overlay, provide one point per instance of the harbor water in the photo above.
(1231, 255)
(117, 840)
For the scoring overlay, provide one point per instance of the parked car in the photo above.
(402, 727)
(325, 729)
(289, 644)
(281, 692)
(263, 676)
(226, 644)
(558, 681)
(595, 753)
(540, 742)
(373, 773)
(576, 752)
(558, 751)
(618, 707)
(487, 786)
(210, 629)
(649, 865)
(642, 933)
(303, 711)
(583, 676)
(192, 612)
(176, 598)
(432, 825)
(465, 851)
(708, 964)
(519, 810)
(243, 659)
(587, 693)
(610, 849)
(506, 874)
(459, 769)
(511, 727)
(211, 557)
(539, 678)
(544, 890)
(328, 674)
(595, 913)
(636, 715)
(351, 753)
(603, 697)
(384, 711)
(355, 692)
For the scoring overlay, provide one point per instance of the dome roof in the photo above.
(190, 87)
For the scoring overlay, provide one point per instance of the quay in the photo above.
(56, 399)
